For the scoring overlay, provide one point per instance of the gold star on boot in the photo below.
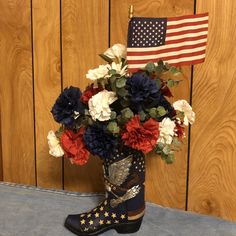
(101, 222)
(82, 222)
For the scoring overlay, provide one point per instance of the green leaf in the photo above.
(112, 72)
(170, 83)
(160, 63)
(119, 119)
(106, 58)
(161, 111)
(158, 83)
(176, 141)
(127, 113)
(160, 66)
(174, 70)
(153, 112)
(180, 114)
(124, 102)
(158, 149)
(159, 69)
(121, 82)
(59, 131)
(142, 115)
(113, 127)
(170, 158)
(122, 92)
(166, 149)
(113, 83)
(124, 62)
(160, 145)
(112, 79)
(113, 115)
(150, 67)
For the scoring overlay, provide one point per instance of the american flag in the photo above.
(176, 40)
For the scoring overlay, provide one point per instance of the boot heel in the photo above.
(130, 227)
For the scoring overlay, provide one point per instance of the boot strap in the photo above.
(131, 193)
(121, 194)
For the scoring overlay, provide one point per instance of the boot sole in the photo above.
(123, 228)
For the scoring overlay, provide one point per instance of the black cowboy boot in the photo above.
(124, 206)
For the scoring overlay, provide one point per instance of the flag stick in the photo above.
(131, 11)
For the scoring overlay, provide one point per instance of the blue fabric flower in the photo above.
(99, 141)
(142, 91)
(67, 106)
(168, 107)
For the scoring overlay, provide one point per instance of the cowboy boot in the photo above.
(124, 205)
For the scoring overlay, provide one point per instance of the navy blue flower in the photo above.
(168, 107)
(99, 141)
(67, 106)
(142, 91)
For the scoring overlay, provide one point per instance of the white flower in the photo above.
(55, 148)
(167, 132)
(116, 51)
(118, 68)
(99, 72)
(183, 106)
(99, 105)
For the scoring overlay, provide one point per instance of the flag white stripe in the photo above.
(179, 52)
(188, 20)
(187, 28)
(186, 36)
(187, 43)
(172, 61)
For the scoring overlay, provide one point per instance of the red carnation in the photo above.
(74, 147)
(166, 91)
(179, 130)
(89, 92)
(141, 137)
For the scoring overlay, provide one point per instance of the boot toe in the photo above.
(72, 223)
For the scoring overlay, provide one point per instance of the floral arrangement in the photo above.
(118, 108)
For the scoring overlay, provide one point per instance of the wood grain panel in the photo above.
(47, 80)
(212, 185)
(84, 36)
(1, 167)
(165, 184)
(16, 92)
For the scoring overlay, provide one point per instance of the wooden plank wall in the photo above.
(212, 185)
(48, 45)
(47, 86)
(16, 92)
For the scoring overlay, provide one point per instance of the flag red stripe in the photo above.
(165, 50)
(186, 24)
(187, 63)
(186, 39)
(166, 58)
(186, 32)
(186, 17)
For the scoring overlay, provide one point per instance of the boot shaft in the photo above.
(124, 176)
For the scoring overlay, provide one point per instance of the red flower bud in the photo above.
(89, 92)
(74, 147)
